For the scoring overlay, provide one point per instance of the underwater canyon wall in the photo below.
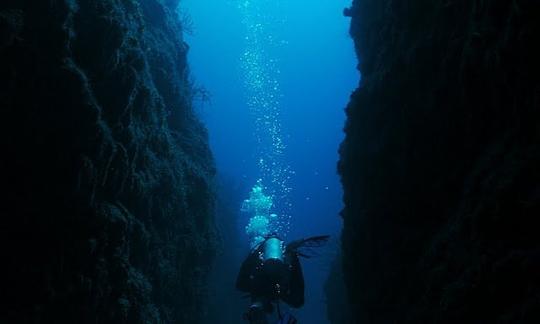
(440, 164)
(107, 203)
(225, 303)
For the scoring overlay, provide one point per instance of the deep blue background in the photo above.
(318, 72)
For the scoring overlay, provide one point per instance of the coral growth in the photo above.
(107, 212)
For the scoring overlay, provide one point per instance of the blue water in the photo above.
(279, 74)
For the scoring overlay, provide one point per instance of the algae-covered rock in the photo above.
(107, 206)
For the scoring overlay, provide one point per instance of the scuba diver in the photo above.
(272, 273)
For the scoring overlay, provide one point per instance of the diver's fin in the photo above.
(304, 247)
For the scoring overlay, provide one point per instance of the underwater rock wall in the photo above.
(107, 203)
(440, 164)
(225, 303)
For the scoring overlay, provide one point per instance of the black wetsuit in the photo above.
(273, 279)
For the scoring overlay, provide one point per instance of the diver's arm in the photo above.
(247, 269)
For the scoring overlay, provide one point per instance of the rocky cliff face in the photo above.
(440, 164)
(225, 303)
(107, 204)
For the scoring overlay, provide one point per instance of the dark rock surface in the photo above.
(441, 163)
(107, 204)
(337, 306)
(226, 304)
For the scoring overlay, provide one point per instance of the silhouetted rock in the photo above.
(225, 303)
(107, 203)
(440, 164)
(337, 305)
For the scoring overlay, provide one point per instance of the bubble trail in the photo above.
(263, 97)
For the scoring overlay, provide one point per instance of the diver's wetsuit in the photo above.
(272, 279)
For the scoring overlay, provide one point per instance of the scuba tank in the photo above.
(273, 249)
(274, 267)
